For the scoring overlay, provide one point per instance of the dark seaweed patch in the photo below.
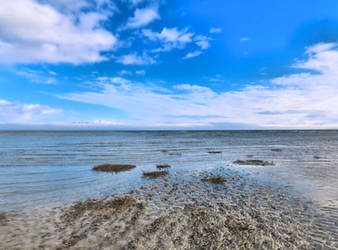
(214, 180)
(161, 166)
(155, 174)
(254, 163)
(115, 168)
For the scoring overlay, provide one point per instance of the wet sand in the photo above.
(179, 212)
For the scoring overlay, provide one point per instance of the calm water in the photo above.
(39, 168)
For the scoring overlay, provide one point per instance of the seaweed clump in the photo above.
(98, 207)
(276, 150)
(155, 174)
(254, 163)
(214, 180)
(98, 212)
(215, 152)
(115, 168)
(161, 166)
(3, 219)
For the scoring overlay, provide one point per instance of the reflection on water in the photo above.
(45, 167)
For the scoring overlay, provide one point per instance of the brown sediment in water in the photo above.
(97, 207)
(161, 166)
(155, 174)
(175, 153)
(214, 152)
(115, 168)
(214, 180)
(276, 150)
(97, 212)
(3, 219)
(254, 163)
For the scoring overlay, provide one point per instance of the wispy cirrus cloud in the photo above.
(16, 112)
(300, 100)
(37, 76)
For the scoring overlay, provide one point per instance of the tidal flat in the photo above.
(179, 212)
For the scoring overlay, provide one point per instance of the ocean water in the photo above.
(47, 168)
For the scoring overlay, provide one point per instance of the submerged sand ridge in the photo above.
(181, 213)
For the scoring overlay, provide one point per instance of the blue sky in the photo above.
(232, 64)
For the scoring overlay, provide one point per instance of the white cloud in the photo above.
(170, 38)
(140, 72)
(300, 100)
(127, 72)
(136, 2)
(32, 32)
(203, 42)
(134, 59)
(216, 78)
(193, 54)
(244, 39)
(215, 30)
(11, 112)
(67, 6)
(142, 17)
(93, 123)
(124, 72)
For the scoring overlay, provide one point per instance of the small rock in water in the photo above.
(254, 163)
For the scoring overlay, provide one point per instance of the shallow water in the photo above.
(42, 168)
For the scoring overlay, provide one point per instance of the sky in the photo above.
(169, 64)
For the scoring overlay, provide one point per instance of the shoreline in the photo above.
(178, 212)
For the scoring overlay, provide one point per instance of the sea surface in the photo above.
(47, 168)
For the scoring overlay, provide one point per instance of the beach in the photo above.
(168, 190)
(176, 212)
